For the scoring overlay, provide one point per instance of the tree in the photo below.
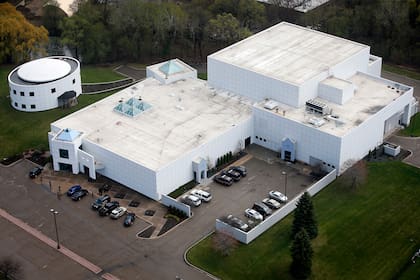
(291, 4)
(10, 269)
(301, 252)
(52, 17)
(19, 39)
(304, 217)
(225, 28)
(224, 243)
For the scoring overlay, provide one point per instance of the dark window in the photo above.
(22, 93)
(31, 93)
(16, 104)
(74, 81)
(256, 137)
(33, 106)
(333, 166)
(52, 90)
(64, 153)
(265, 140)
(14, 91)
(23, 106)
(260, 138)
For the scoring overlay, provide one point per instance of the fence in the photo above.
(169, 201)
(247, 237)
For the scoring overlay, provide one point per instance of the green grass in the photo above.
(414, 128)
(97, 74)
(411, 73)
(20, 131)
(202, 76)
(183, 189)
(367, 233)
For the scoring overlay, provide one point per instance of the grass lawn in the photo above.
(202, 76)
(96, 74)
(20, 131)
(367, 233)
(409, 72)
(414, 128)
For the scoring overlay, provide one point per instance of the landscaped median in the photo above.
(365, 232)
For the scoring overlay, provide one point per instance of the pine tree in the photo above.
(304, 217)
(301, 252)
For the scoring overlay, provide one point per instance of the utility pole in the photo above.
(55, 213)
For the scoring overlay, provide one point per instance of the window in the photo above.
(64, 153)
(74, 81)
(23, 106)
(14, 91)
(52, 90)
(22, 93)
(31, 93)
(33, 106)
(16, 105)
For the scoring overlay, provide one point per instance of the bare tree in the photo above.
(224, 243)
(291, 4)
(10, 268)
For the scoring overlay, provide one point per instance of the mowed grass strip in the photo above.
(20, 131)
(99, 74)
(368, 232)
(414, 128)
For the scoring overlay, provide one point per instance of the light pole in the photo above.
(55, 213)
(285, 182)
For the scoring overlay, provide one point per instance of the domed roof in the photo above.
(43, 70)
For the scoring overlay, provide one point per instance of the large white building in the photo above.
(45, 84)
(310, 96)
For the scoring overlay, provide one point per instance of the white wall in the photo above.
(71, 147)
(180, 171)
(368, 135)
(348, 67)
(169, 201)
(375, 65)
(250, 84)
(310, 141)
(309, 89)
(334, 94)
(123, 170)
(86, 160)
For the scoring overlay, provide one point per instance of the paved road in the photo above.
(408, 143)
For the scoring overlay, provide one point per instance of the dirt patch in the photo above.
(147, 232)
(170, 223)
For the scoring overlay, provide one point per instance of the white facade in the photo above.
(307, 95)
(44, 83)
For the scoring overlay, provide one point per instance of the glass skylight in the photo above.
(171, 67)
(132, 107)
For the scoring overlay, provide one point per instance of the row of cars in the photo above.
(103, 205)
(260, 210)
(231, 175)
(196, 197)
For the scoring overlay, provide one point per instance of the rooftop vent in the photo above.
(270, 105)
(317, 122)
(315, 106)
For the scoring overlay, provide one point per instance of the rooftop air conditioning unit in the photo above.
(315, 106)
(270, 105)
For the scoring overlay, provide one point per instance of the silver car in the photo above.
(118, 212)
(273, 204)
(253, 214)
(203, 195)
(277, 196)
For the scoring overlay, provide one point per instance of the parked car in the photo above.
(79, 194)
(253, 214)
(73, 190)
(262, 209)
(273, 204)
(192, 200)
(236, 176)
(100, 201)
(237, 223)
(223, 179)
(107, 208)
(118, 212)
(35, 172)
(203, 195)
(129, 219)
(241, 169)
(277, 196)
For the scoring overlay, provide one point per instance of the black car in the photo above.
(240, 169)
(35, 172)
(107, 209)
(129, 219)
(262, 209)
(236, 176)
(100, 201)
(223, 179)
(79, 194)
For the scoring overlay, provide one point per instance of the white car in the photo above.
(118, 212)
(203, 195)
(277, 196)
(192, 200)
(253, 214)
(273, 204)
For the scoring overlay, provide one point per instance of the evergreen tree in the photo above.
(304, 217)
(301, 252)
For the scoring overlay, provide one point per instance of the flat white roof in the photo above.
(336, 82)
(289, 52)
(183, 115)
(43, 70)
(371, 95)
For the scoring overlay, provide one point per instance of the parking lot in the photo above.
(117, 249)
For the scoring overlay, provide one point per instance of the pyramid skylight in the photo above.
(132, 107)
